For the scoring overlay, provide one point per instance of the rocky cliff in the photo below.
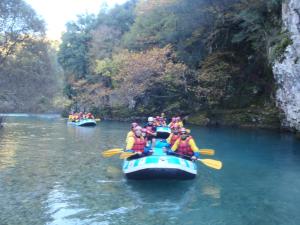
(287, 70)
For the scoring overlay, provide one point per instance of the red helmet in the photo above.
(175, 126)
(133, 125)
(183, 130)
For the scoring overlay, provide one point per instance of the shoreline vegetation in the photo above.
(211, 66)
(121, 64)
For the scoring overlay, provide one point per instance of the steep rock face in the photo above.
(287, 71)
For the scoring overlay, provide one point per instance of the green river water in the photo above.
(52, 173)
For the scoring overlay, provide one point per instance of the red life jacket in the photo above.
(139, 144)
(172, 125)
(149, 129)
(173, 139)
(184, 148)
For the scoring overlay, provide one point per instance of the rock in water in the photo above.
(287, 71)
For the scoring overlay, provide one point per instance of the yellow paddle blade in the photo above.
(211, 163)
(126, 155)
(111, 152)
(207, 151)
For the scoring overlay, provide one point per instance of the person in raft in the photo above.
(131, 132)
(174, 135)
(90, 116)
(185, 146)
(151, 130)
(179, 121)
(137, 144)
(172, 123)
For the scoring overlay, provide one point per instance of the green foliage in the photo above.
(73, 53)
(30, 78)
(259, 24)
(279, 49)
(19, 23)
(122, 62)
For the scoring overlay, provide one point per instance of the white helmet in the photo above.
(150, 119)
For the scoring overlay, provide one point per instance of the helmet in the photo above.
(182, 130)
(133, 125)
(150, 119)
(175, 127)
(138, 128)
(138, 131)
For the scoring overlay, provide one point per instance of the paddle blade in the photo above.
(126, 155)
(215, 164)
(111, 152)
(207, 151)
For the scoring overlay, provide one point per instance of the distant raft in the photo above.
(83, 123)
(159, 165)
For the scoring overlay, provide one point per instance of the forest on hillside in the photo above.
(30, 77)
(209, 60)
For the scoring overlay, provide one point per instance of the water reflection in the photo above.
(54, 174)
(7, 151)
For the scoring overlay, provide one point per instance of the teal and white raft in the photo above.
(84, 123)
(159, 165)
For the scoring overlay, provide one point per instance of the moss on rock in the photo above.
(267, 117)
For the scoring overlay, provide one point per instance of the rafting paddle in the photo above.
(215, 164)
(126, 155)
(207, 151)
(112, 152)
(115, 151)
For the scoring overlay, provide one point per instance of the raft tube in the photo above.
(84, 123)
(160, 167)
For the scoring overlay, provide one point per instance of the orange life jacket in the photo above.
(184, 148)
(139, 144)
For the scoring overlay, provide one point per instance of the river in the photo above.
(52, 173)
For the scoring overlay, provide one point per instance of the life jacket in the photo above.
(171, 125)
(149, 130)
(184, 148)
(139, 144)
(173, 139)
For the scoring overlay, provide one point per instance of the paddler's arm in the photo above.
(193, 145)
(175, 146)
(169, 138)
(130, 143)
(195, 149)
(130, 134)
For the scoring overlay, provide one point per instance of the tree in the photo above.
(18, 23)
(73, 53)
(30, 78)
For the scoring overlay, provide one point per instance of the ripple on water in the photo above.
(51, 173)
